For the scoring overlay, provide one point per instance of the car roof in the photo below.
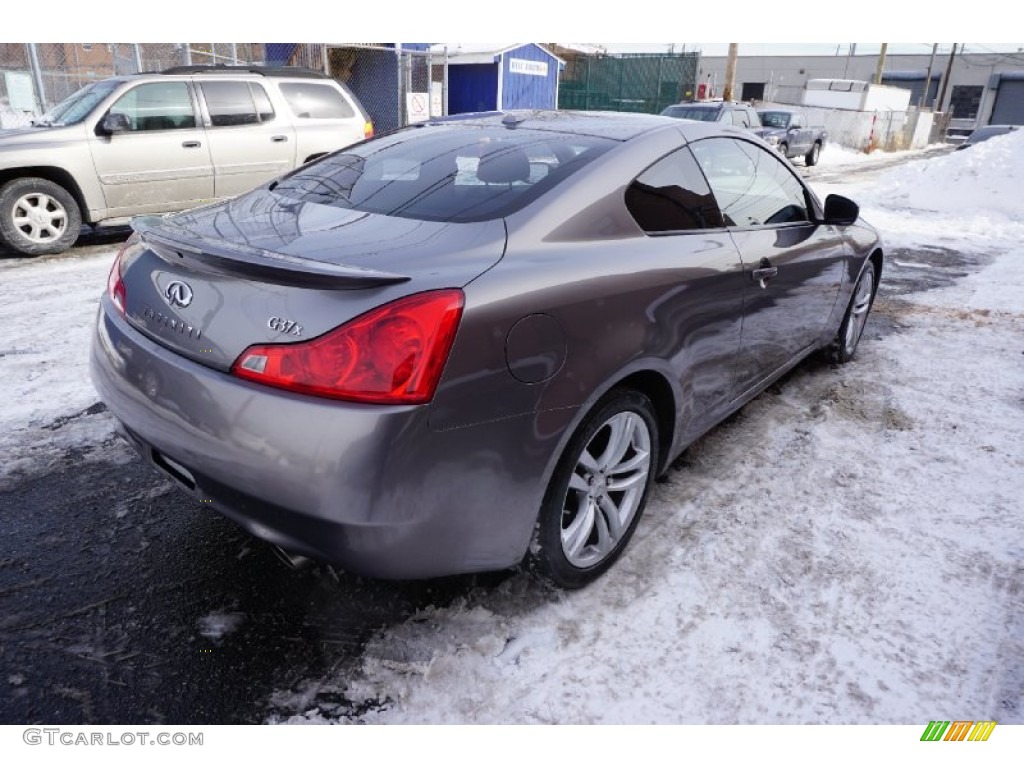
(188, 72)
(619, 126)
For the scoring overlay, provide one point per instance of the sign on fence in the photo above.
(417, 107)
(21, 96)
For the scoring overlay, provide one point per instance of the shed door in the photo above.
(472, 88)
(1009, 106)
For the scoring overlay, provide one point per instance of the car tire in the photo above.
(811, 158)
(598, 491)
(844, 345)
(38, 216)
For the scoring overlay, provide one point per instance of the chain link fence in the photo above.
(34, 77)
(629, 83)
(396, 85)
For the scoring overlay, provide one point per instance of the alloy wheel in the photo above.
(605, 489)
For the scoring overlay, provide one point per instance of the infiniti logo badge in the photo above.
(178, 294)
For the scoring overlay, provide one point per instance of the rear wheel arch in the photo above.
(659, 391)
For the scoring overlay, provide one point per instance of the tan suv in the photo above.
(164, 142)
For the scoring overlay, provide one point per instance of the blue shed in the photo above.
(501, 76)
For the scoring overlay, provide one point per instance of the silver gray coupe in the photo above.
(475, 341)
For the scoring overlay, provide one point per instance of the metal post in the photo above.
(326, 59)
(657, 90)
(37, 75)
(137, 50)
(401, 84)
(234, 53)
(444, 84)
(928, 78)
(430, 84)
(187, 47)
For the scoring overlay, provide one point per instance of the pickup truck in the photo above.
(788, 132)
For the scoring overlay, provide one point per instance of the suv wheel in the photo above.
(38, 216)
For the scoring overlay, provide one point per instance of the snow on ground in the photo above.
(218, 624)
(847, 550)
(49, 405)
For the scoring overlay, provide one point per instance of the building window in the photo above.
(965, 101)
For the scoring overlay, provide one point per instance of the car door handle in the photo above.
(191, 144)
(763, 274)
(279, 138)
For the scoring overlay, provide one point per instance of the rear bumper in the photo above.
(370, 488)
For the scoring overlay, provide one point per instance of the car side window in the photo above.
(672, 196)
(229, 103)
(316, 100)
(157, 107)
(752, 186)
(263, 106)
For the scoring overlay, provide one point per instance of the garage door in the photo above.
(1009, 106)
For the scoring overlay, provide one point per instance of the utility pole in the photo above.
(928, 78)
(880, 67)
(851, 52)
(945, 79)
(730, 72)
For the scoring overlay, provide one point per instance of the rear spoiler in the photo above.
(174, 244)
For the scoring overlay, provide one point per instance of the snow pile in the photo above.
(985, 178)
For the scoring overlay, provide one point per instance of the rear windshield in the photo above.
(451, 172)
(707, 114)
(774, 119)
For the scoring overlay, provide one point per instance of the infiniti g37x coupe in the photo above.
(478, 341)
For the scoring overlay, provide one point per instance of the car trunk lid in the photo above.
(210, 283)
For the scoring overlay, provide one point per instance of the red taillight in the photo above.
(392, 354)
(368, 129)
(115, 285)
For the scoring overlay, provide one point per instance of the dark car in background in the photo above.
(985, 133)
(472, 342)
(726, 112)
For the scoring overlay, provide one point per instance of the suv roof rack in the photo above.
(221, 69)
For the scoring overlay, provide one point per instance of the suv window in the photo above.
(230, 103)
(316, 100)
(444, 173)
(752, 185)
(672, 196)
(157, 107)
(78, 105)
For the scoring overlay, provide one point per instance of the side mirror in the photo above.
(115, 122)
(840, 211)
